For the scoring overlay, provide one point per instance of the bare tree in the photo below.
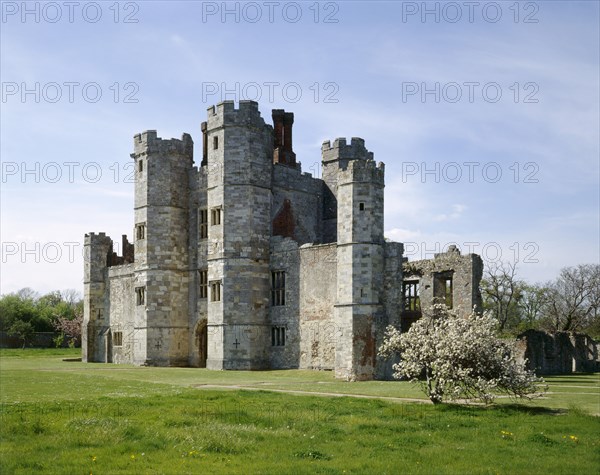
(574, 299)
(71, 296)
(501, 292)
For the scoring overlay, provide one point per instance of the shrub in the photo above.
(454, 357)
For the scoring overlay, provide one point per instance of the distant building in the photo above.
(245, 262)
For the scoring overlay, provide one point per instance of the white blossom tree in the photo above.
(454, 357)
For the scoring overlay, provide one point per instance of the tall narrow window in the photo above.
(140, 231)
(203, 223)
(203, 280)
(278, 288)
(277, 336)
(141, 165)
(215, 143)
(140, 295)
(215, 218)
(412, 301)
(361, 206)
(215, 291)
(448, 291)
(117, 339)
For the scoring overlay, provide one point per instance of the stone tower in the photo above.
(240, 155)
(161, 268)
(358, 184)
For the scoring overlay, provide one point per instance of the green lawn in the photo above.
(70, 417)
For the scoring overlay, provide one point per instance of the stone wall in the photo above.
(558, 353)
(121, 313)
(317, 294)
(465, 272)
(296, 208)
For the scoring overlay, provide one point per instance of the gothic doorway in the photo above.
(202, 338)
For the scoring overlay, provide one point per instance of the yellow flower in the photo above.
(93, 458)
(132, 457)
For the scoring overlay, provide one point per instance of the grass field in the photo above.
(75, 418)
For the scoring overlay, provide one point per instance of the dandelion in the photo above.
(93, 458)
(506, 434)
(132, 457)
(574, 438)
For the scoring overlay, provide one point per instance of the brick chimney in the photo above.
(282, 145)
(204, 128)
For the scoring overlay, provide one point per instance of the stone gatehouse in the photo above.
(246, 262)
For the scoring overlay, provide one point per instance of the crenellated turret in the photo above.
(357, 183)
(240, 155)
(162, 171)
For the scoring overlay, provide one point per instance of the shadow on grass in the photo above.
(504, 409)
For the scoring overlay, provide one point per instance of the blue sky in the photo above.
(487, 120)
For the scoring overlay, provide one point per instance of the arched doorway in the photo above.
(202, 342)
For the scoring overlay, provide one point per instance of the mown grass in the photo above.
(67, 417)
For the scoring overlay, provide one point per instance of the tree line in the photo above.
(26, 312)
(569, 303)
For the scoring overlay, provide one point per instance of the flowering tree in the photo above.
(454, 357)
(71, 328)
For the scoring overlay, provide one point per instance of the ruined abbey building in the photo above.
(245, 262)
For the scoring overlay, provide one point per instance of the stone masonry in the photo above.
(246, 262)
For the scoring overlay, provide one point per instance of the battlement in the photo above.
(225, 113)
(94, 239)
(147, 142)
(341, 150)
(362, 171)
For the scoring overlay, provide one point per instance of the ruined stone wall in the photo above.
(95, 298)
(466, 272)
(558, 353)
(392, 302)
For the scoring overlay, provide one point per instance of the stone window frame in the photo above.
(278, 288)
(443, 288)
(203, 284)
(140, 295)
(117, 338)
(278, 335)
(215, 143)
(203, 223)
(141, 165)
(215, 215)
(216, 290)
(140, 231)
(411, 301)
